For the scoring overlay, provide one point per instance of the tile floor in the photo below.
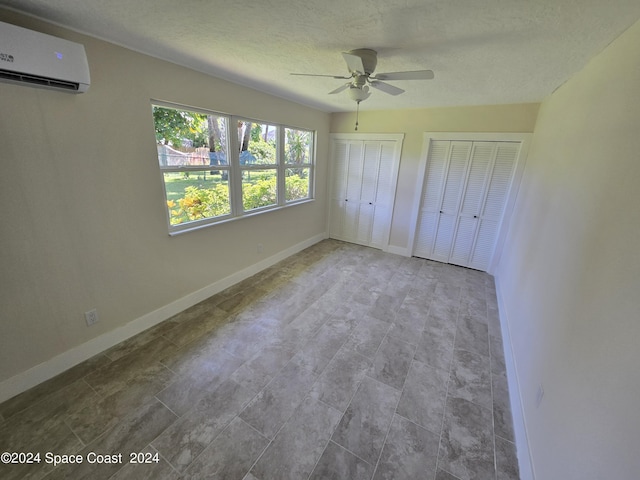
(340, 362)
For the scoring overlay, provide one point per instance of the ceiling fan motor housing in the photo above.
(359, 81)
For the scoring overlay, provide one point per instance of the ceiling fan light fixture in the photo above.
(358, 94)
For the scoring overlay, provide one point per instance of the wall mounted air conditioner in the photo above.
(38, 60)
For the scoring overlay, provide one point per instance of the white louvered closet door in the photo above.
(368, 186)
(383, 197)
(459, 153)
(429, 215)
(352, 194)
(465, 191)
(363, 189)
(481, 157)
(341, 151)
(494, 203)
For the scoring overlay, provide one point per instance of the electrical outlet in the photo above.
(539, 395)
(260, 248)
(91, 317)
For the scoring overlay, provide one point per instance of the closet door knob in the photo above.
(475, 216)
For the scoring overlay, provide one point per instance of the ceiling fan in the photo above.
(361, 64)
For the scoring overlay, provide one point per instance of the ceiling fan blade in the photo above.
(415, 75)
(386, 88)
(340, 89)
(316, 75)
(354, 62)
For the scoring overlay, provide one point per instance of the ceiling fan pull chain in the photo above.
(357, 114)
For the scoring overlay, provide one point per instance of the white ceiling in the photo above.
(482, 51)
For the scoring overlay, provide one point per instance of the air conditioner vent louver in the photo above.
(42, 81)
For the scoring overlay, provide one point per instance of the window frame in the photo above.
(235, 169)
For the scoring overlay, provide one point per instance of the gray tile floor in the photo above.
(340, 362)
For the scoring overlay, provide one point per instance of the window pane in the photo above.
(257, 143)
(297, 146)
(259, 188)
(186, 138)
(297, 184)
(196, 195)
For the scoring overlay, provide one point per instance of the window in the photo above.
(212, 175)
(298, 148)
(258, 164)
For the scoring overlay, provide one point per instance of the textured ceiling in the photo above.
(482, 52)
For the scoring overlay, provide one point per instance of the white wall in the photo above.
(569, 278)
(82, 206)
(413, 123)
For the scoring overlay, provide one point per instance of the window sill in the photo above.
(205, 223)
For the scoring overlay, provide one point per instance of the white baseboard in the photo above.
(525, 461)
(398, 250)
(30, 378)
